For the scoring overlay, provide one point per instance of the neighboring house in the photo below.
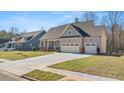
(78, 37)
(3, 43)
(26, 42)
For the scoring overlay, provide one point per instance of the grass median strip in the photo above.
(107, 66)
(44, 75)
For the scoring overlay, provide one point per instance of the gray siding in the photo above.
(26, 46)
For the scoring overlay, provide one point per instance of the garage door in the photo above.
(91, 48)
(70, 47)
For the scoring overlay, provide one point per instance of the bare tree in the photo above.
(88, 16)
(23, 32)
(14, 31)
(111, 20)
(3, 34)
(76, 19)
(121, 37)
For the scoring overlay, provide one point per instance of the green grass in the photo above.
(106, 66)
(43, 75)
(17, 55)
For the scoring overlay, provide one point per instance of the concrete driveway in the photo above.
(21, 67)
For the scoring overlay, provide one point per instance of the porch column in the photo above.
(48, 45)
(13, 45)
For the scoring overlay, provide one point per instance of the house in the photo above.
(3, 43)
(77, 37)
(27, 41)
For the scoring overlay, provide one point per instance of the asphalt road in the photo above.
(5, 76)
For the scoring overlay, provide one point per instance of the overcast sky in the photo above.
(32, 21)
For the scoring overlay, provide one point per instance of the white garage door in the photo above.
(91, 48)
(70, 47)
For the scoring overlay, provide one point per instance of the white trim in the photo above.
(90, 49)
(90, 43)
(71, 43)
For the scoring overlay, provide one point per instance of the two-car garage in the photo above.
(87, 45)
(70, 47)
(90, 48)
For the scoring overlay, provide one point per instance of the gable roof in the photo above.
(21, 38)
(86, 28)
(84, 34)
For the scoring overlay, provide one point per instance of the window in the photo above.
(69, 32)
(9, 45)
(72, 44)
(87, 44)
(76, 44)
(93, 44)
(51, 44)
(63, 44)
(67, 44)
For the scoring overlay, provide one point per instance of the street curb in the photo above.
(29, 78)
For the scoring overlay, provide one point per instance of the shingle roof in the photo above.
(84, 28)
(90, 28)
(54, 32)
(33, 34)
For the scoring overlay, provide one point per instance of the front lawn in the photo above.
(106, 66)
(43, 75)
(16, 55)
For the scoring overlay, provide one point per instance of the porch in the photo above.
(50, 45)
